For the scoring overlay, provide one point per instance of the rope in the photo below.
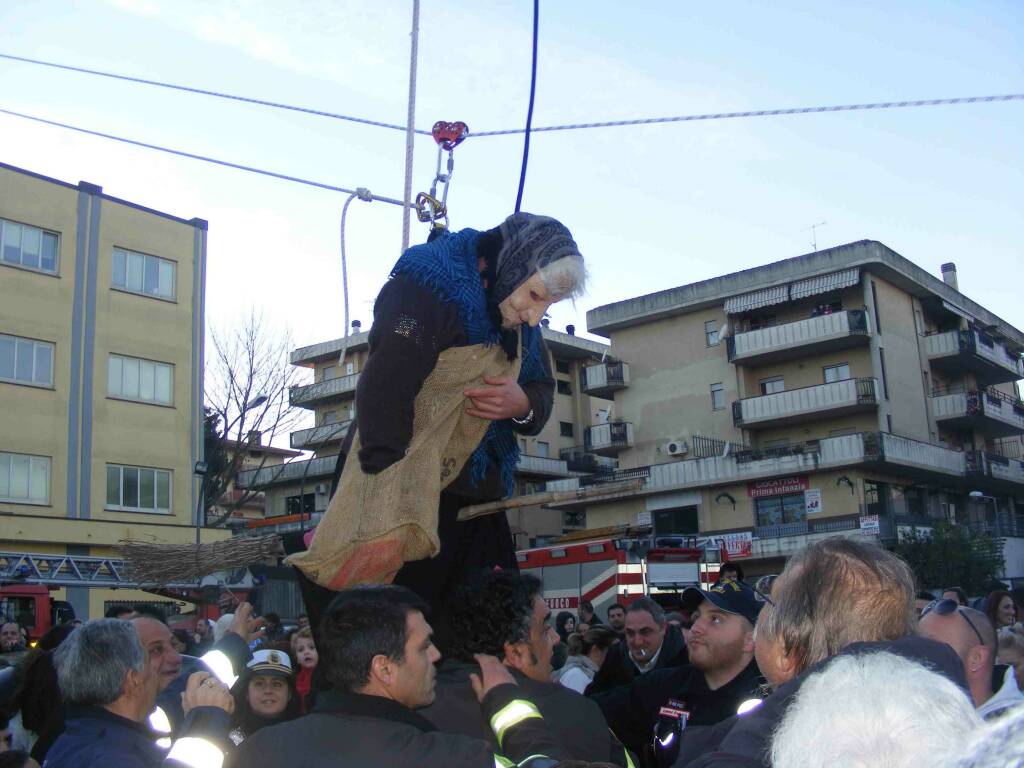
(203, 158)
(204, 92)
(764, 113)
(410, 130)
(529, 109)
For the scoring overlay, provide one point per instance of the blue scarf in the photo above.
(448, 267)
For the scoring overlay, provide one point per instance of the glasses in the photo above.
(947, 606)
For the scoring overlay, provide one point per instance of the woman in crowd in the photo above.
(565, 625)
(586, 655)
(1011, 651)
(264, 695)
(1001, 610)
(305, 655)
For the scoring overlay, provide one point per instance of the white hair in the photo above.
(997, 745)
(222, 625)
(565, 277)
(874, 710)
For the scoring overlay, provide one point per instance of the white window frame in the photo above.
(122, 507)
(159, 263)
(718, 388)
(543, 449)
(118, 362)
(711, 333)
(41, 464)
(763, 385)
(36, 345)
(7, 227)
(836, 367)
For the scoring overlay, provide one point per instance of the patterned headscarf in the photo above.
(529, 242)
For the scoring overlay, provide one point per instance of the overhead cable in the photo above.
(362, 193)
(529, 109)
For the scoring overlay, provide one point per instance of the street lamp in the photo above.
(979, 496)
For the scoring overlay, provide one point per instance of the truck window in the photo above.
(19, 609)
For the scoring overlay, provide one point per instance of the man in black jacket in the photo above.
(502, 613)
(376, 652)
(720, 677)
(651, 643)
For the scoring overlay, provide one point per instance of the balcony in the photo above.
(991, 466)
(604, 379)
(815, 334)
(292, 472)
(578, 460)
(314, 437)
(991, 412)
(807, 403)
(541, 465)
(915, 456)
(826, 525)
(321, 391)
(608, 439)
(975, 352)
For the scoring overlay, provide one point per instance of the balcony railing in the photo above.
(915, 454)
(320, 435)
(991, 465)
(975, 351)
(992, 411)
(323, 390)
(806, 403)
(291, 472)
(542, 465)
(609, 439)
(578, 459)
(603, 379)
(808, 527)
(778, 342)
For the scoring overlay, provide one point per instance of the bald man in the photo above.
(972, 636)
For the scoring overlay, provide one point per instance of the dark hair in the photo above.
(247, 720)
(117, 611)
(729, 565)
(150, 611)
(924, 595)
(561, 620)
(15, 758)
(586, 605)
(992, 605)
(582, 644)
(361, 623)
(55, 636)
(647, 605)
(36, 693)
(961, 596)
(613, 606)
(495, 608)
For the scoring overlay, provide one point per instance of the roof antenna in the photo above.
(814, 233)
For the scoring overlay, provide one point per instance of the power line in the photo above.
(362, 193)
(763, 113)
(204, 92)
(529, 109)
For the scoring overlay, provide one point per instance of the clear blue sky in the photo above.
(651, 207)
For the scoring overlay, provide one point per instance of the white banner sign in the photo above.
(812, 501)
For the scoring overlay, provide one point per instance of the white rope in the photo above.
(410, 130)
(363, 194)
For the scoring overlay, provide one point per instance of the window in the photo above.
(888, 423)
(26, 361)
(717, 397)
(350, 368)
(24, 479)
(562, 366)
(330, 372)
(834, 373)
(138, 489)
(711, 332)
(565, 428)
(148, 275)
(778, 510)
(543, 449)
(329, 417)
(885, 379)
(773, 385)
(762, 321)
(874, 300)
(308, 507)
(132, 378)
(29, 247)
(563, 387)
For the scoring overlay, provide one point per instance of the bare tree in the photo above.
(247, 382)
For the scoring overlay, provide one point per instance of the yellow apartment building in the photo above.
(101, 375)
(557, 452)
(846, 391)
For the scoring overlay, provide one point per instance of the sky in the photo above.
(651, 207)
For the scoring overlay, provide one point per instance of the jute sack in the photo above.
(375, 523)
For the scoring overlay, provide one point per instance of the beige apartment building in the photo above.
(101, 383)
(557, 452)
(846, 391)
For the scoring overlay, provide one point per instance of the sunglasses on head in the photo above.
(946, 606)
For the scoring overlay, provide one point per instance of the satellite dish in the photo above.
(723, 332)
(728, 447)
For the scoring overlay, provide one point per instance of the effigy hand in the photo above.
(501, 397)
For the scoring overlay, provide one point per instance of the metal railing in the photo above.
(278, 474)
(616, 434)
(319, 435)
(796, 334)
(793, 449)
(322, 389)
(805, 400)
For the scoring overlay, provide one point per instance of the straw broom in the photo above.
(164, 564)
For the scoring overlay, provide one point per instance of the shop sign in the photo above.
(777, 486)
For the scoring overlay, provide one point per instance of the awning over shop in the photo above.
(833, 281)
(764, 298)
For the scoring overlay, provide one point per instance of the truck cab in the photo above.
(31, 606)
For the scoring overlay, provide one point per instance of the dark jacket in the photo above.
(96, 738)
(347, 730)
(575, 722)
(632, 710)
(618, 668)
(745, 741)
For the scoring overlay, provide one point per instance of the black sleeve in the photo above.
(628, 712)
(411, 327)
(524, 734)
(541, 394)
(611, 674)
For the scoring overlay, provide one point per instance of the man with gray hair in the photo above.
(109, 686)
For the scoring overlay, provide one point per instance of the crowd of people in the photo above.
(831, 663)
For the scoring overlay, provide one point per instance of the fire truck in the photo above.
(620, 564)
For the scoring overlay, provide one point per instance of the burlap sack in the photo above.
(375, 523)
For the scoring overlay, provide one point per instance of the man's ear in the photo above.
(132, 684)
(977, 658)
(748, 642)
(517, 655)
(382, 670)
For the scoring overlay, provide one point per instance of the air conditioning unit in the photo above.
(676, 448)
(321, 488)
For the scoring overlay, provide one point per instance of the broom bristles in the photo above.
(164, 564)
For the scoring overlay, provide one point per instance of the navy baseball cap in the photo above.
(730, 596)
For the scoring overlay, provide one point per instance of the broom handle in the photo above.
(549, 497)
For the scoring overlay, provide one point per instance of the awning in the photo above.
(957, 311)
(747, 301)
(824, 283)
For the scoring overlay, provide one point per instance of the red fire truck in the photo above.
(619, 564)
